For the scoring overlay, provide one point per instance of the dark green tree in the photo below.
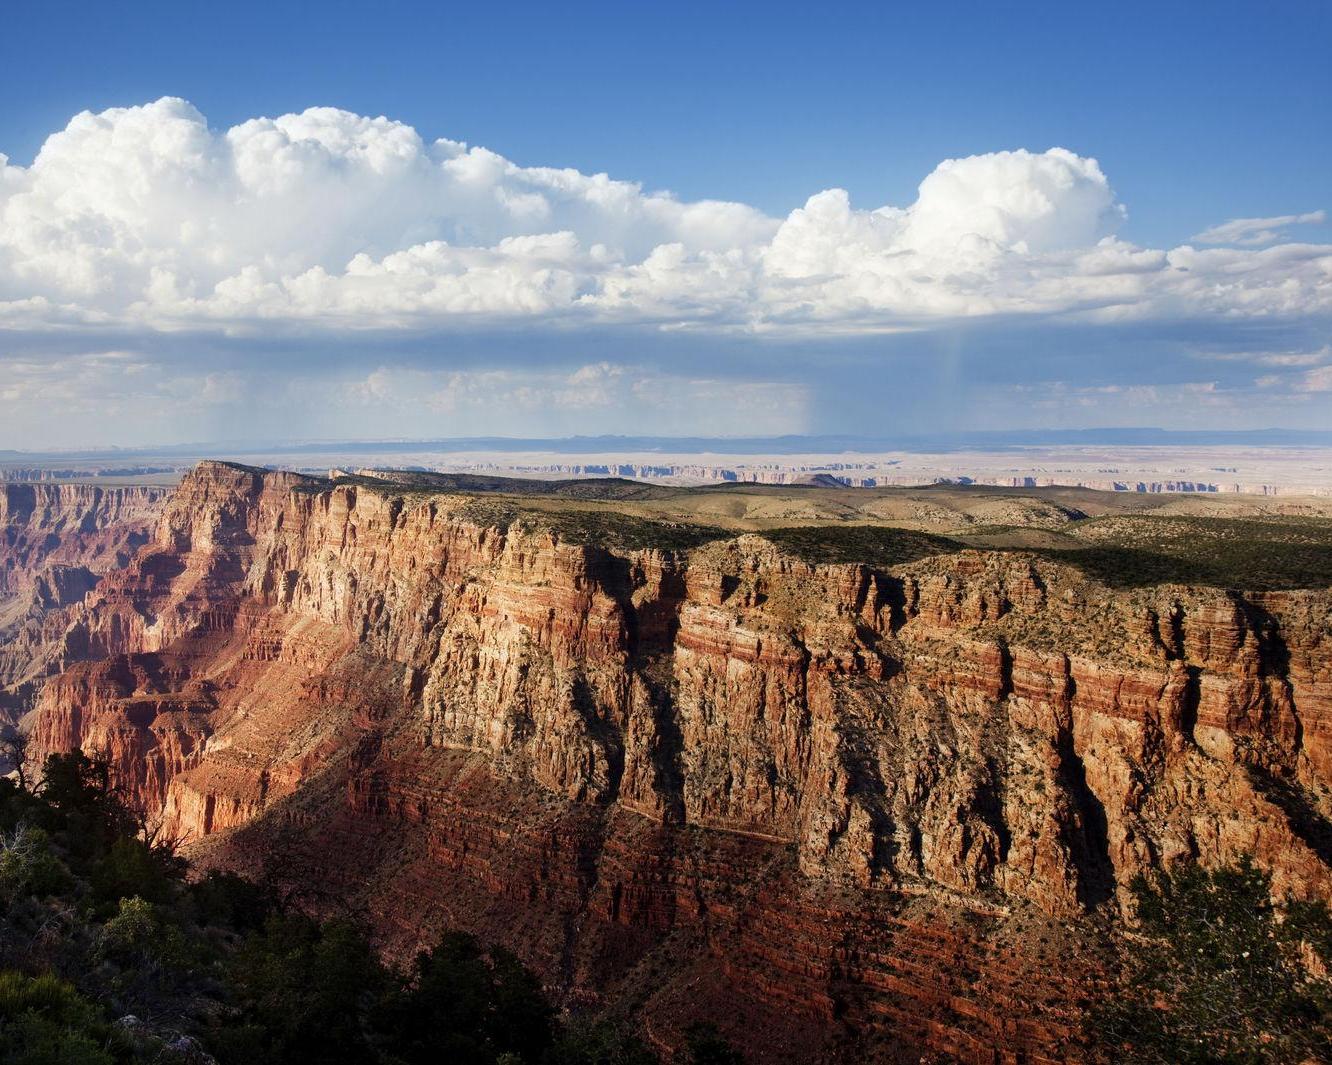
(601, 1043)
(704, 1045)
(303, 989)
(466, 1004)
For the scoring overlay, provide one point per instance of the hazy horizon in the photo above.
(794, 443)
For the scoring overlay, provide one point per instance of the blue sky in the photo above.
(1194, 114)
(754, 102)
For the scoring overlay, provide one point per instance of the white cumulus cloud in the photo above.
(145, 218)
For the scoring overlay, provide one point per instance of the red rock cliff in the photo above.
(722, 776)
(55, 542)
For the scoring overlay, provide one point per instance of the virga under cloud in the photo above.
(145, 222)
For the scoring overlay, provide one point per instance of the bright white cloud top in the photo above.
(146, 218)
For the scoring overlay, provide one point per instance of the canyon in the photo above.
(861, 809)
(58, 540)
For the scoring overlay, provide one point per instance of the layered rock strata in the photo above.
(56, 540)
(827, 800)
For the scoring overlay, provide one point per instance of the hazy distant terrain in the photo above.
(1139, 461)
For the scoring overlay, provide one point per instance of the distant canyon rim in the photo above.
(1212, 468)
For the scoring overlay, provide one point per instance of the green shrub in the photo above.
(129, 869)
(28, 867)
(1219, 974)
(230, 901)
(45, 1021)
(600, 1043)
(303, 990)
(132, 869)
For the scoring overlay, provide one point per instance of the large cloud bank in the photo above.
(145, 218)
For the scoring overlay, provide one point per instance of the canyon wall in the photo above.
(864, 812)
(56, 540)
(73, 525)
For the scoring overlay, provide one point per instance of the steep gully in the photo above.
(845, 811)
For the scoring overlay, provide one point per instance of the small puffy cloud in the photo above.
(1257, 231)
(1316, 380)
(1011, 201)
(969, 214)
(1302, 358)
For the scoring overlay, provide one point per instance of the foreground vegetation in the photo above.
(1215, 973)
(109, 954)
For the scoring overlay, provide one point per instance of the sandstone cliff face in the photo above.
(72, 525)
(55, 542)
(598, 755)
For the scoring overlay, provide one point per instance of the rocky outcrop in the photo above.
(76, 525)
(55, 542)
(864, 793)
